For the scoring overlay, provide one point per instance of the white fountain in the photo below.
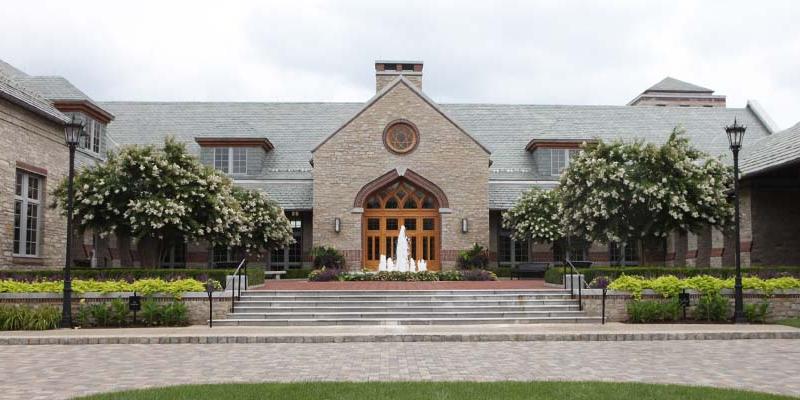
(403, 261)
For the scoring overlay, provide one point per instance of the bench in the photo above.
(531, 268)
(276, 274)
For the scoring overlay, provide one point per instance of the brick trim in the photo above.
(746, 246)
(670, 256)
(599, 256)
(32, 168)
(717, 251)
(691, 254)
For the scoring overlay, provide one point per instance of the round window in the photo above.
(400, 137)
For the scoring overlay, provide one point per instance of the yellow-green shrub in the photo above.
(670, 286)
(143, 286)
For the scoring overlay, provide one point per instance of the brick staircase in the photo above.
(404, 307)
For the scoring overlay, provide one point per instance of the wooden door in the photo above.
(401, 204)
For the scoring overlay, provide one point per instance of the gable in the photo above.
(401, 80)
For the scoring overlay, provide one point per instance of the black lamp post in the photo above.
(72, 134)
(210, 286)
(735, 137)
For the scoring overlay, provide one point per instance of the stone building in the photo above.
(350, 175)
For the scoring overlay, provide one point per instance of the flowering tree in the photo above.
(161, 196)
(615, 192)
(265, 225)
(536, 216)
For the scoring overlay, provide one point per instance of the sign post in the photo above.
(134, 305)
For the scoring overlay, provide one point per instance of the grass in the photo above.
(794, 322)
(437, 391)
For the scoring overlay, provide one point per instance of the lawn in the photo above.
(795, 322)
(437, 391)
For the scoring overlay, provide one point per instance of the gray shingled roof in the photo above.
(53, 87)
(22, 96)
(505, 129)
(290, 194)
(503, 194)
(11, 71)
(771, 152)
(670, 84)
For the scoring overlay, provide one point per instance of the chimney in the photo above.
(387, 71)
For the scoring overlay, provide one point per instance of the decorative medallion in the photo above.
(400, 137)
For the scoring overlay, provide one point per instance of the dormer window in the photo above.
(93, 133)
(559, 159)
(231, 160)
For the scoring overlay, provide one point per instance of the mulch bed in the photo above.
(286, 284)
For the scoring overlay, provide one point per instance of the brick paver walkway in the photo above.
(285, 284)
(52, 372)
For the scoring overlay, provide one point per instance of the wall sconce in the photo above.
(464, 225)
(337, 225)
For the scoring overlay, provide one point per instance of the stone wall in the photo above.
(35, 144)
(782, 305)
(356, 155)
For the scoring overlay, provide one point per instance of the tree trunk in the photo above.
(124, 249)
(622, 245)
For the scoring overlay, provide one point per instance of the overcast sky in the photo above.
(546, 52)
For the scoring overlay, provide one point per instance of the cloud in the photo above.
(588, 52)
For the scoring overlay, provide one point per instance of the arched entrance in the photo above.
(401, 202)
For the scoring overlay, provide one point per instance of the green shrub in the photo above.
(255, 275)
(118, 273)
(30, 318)
(756, 313)
(151, 313)
(328, 257)
(670, 286)
(297, 273)
(175, 314)
(101, 314)
(653, 311)
(142, 286)
(474, 257)
(554, 275)
(712, 307)
(118, 313)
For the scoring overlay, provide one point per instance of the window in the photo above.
(27, 213)
(578, 250)
(510, 251)
(559, 159)
(400, 137)
(223, 256)
(175, 257)
(292, 255)
(631, 253)
(231, 159)
(93, 132)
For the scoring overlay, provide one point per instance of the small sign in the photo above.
(135, 303)
(683, 298)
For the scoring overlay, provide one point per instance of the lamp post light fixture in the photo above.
(72, 135)
(735, 137)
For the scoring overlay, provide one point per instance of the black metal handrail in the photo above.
(236, 292)
(580, 284)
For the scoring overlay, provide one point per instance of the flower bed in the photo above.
(554, 275)
(326, 275)
(143, 286)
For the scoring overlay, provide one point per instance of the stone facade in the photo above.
(445, 155)
(36, 145)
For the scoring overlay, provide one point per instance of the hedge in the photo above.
(554, 275)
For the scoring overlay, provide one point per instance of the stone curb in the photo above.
(542, 337)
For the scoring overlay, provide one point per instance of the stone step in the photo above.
(404, 297)
(385, 303)
(405, 315)
(242, 308)
(264, 292)
(405, 321)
